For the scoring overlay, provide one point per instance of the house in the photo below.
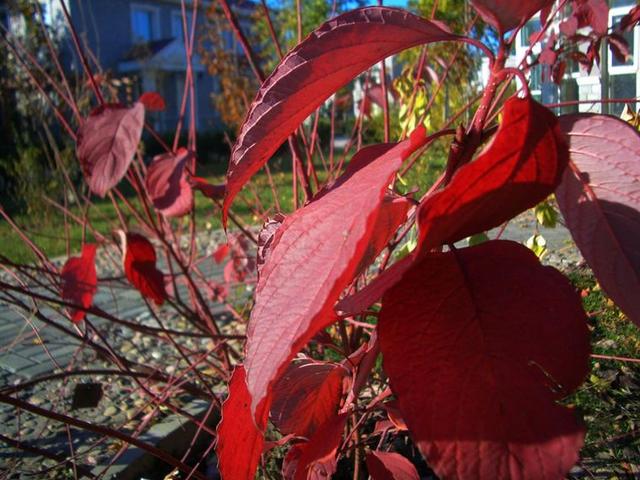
(612, 79)
(143, 41)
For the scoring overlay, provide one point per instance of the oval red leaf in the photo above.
(167, 185)
(599, 198)
(479, 344)
(107, 141)
(522, 166)
(152, 101)
(239, 442)
(306, 396)
(319, 251)
(79, 281)
(390, 466)
(506, 15)
(140, 268)
(328, 59)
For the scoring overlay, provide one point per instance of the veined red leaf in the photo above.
(267, 239)
(599, 198)
(315, 459)
(318, 253)
(479, 344)
(107, 142)
(79, 281)
(214, 192)
(140, 268)
(521, 167)
(306, 396)
(390, 466)
(167, 185)
(505, 15)
(152, 101)
(239, 441)
(328, 59)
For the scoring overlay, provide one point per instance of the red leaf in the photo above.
(140, 268)
(107, 142)
(306, 396)
(152, 101)
(479, 344)
(600, 201)
(592, 13)
(520, 168)
(221, 252)
(79, 281)
(267, 239)
(319, 251)
(167, 185)
(328, 59)
(316, 458)
(214, 192)
(631, 19)
(506, 15)
(239, 442)
(390, 466)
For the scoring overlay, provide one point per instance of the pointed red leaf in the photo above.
(152, 101)
(167, 185)
(319, 251)
(140, 268)
(328, 59)
(316, 459)
(79, 281)
(239, 441)
(521, 167)
(599, 198)
(505, 15)
(479, 344)
(107, 141)
(267, 239)
(221, 252)
(214, 192)
(390, 466)
(306, 396)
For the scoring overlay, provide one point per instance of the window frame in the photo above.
(155, 21)
(178, 13)
(623, 69)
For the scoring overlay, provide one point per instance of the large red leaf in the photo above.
(140, 268)
(319, 251)
(390, 466)
(167, 185)
(107, 142)
(79, 280)
(307, 395)
(599, 198)
(505, 15)
(239, 441)
(521, 167)
(328, 59)
(479, 344)
(316, 459)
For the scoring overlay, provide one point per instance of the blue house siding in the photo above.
(107, 27)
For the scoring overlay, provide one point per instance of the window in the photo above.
(144, 23)
(531, 27)
(176, 24)
(4, 18)
(623, 75)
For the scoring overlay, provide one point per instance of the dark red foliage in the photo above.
(521, 167)
(631, 19)
(167, 185)
(107, 141)
(306, 396)
(239, 440)
(328, 59)
(505, 15)
(479, 344)
(152, 101)
(140, 268)
(600, 201)
(390, 466)
(214, 192)
(79, 281)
